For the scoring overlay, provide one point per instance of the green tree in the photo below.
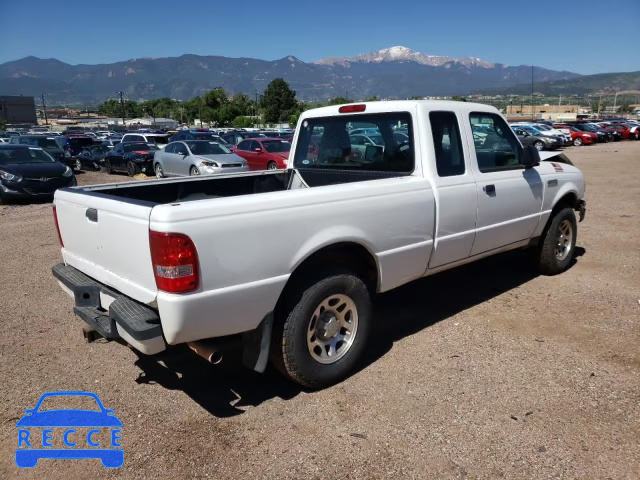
(278, 101)
(457, 98)
(243, 122)
(3, 124)
(339, 101)
(372, 99)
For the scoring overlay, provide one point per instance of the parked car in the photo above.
(46, 142)
(290, 260)
(235, 137)
(579, 137)
(29, 172)
(566, 136)
(196, 157)
(538, 141)
(74, 144)
(263, 153)
(559, 139)
(633, 129)
(131, 158)
(623, 130)
(197, 135)
(601, 134)
(91, 157)
(160, 139)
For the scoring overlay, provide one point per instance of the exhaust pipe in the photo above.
(207, 350)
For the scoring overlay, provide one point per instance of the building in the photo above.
(543, 112)
(18, 109)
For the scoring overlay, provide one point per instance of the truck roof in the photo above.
(400, 105)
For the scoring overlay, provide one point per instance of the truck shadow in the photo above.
(225, 390)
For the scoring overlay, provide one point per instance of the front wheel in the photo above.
(272, 166)
(558, 243)
(78, 165)
(158, 170)
(107, 167)
(325, 333)
(577, 141)
(539, 145)
(194, 172)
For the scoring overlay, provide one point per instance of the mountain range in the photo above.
(396, 72)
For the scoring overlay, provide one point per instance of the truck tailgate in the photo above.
(108, 240)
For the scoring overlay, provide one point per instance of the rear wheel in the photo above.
(272, 166)
(78, 165)
(325, 330)
(539, 145)
(107, 167)
(194, 172)
(158, 170)
(577, 141)
(132, 168)
(558, 242)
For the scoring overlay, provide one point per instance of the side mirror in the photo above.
(530, 157)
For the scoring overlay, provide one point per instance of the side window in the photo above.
(497, 148)
(254, 145)
(244, 145)
(119, 148)
(447, 144)
(180, 149)
(170, 148)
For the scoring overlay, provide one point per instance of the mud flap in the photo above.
(255, 345)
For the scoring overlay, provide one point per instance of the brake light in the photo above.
(175, 262)
(55, 220)
(352, 108)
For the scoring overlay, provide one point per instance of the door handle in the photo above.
(489, 189)
(92, 214)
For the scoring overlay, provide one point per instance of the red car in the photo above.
(625, 130)
(578, 137)
(263, 153)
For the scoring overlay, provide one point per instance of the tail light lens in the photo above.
(175, 262)
(55, 220)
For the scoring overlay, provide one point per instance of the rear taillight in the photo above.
(175, 262)
(55, 220)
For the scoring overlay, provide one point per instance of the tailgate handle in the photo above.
(92, 214)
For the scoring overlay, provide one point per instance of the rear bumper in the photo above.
(111, 314)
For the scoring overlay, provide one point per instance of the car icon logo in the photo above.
(69, 433)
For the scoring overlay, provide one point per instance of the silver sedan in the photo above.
(196, 157)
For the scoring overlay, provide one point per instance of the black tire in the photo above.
(290, 351)
(272, 166)
(193, 171)
(132, 169)
(539, 145)
(577, 141)
(107, 167)
(78, 165)
(547, 261)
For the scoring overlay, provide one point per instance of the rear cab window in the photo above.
(328, 143)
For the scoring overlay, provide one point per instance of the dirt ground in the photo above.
(485, 371)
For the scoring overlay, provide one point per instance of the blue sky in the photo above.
(555, 35)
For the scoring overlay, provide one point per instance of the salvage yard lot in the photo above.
(484, 371)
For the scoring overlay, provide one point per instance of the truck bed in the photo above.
(178, 190)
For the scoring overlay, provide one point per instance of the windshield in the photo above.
(532, 130)
(99, 149)
(135, 147)
(543, 127)
(24, 155)
(204, 136)
(207, 148)
(160, 139)
(47, 142)
(275, 146)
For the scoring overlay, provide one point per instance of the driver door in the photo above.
(509, 196)
(180, 160)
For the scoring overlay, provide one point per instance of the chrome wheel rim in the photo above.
(332, 329)
(565, 238)
(195, 171)
(78, 165)
(272, 166)
(158, 171)
(539, 145)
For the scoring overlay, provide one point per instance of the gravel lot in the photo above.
(482, 372)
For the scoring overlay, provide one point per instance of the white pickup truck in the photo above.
(283, 264)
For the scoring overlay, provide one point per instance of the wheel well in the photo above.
(347, 255)
(569, 200)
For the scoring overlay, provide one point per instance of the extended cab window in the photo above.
(497, 148)
(447, 144)
(330, 142)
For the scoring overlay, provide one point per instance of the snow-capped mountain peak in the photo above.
(404, 54)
